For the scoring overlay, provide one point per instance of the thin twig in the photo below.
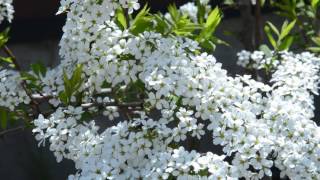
(122, 106)
(45, 97)
(34, 104)
(4, 133)
(131, 104)
(12, 56)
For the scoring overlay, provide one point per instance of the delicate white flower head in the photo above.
(6, 10)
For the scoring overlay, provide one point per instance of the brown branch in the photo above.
(258, 18)
(246, 34)
(122, 105)
(45, 97)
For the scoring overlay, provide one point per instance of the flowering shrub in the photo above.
(112, 67)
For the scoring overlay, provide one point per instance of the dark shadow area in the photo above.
(22, 159)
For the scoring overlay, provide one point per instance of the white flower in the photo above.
(258, 126)
(111, 112)
(6, 10)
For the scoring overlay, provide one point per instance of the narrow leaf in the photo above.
(121, 18)
(273, 28)
(286, 29)
(286, 44)
(6, 59)
(270, 37)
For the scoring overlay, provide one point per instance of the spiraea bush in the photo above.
(119, 60)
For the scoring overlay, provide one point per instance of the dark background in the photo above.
(35, 22)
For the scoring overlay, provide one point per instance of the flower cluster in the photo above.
(58, 128)
(11, 90)
(191, 10)
(6, 10)
(258, 126)
(256, 60)
(297, 135)
(188, 165)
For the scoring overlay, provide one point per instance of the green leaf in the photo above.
(140, 85)
(12, 118)
(208, 45)
(121, 18)
(288, 7)
(314, 49)
(267, 51)
(286, 44)
(63, 97)
(6, 59)
(76, 79)
(99, 2)
(219, 41)
(161, 25)
(316, 40)
(28, 76)
(184, 27)
(32, 85)
(31, 81)
(212, 23)
(273, 28)
(286, 29)
(214, 18)
(315, 4)
(228, 2)
(201, 12)
(4, 37)
(174, 12)
(67, 86)
(181, 24)
(311, 14)
(72, 85)
(271, 39)
(39, 69)
(3, 118)
(141, 22)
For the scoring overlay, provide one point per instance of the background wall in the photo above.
(34, 37)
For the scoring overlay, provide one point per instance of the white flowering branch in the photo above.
(258, 126)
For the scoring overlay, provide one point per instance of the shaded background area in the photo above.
(35, 35)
